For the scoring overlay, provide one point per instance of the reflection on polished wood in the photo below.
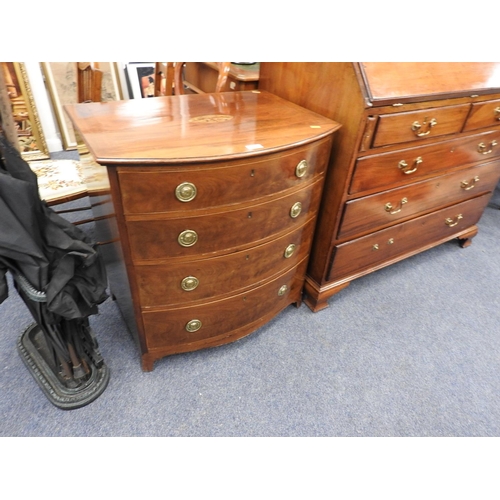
(205, 198)
(193, 128)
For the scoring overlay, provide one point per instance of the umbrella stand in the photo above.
(61, 277)
(67, 393)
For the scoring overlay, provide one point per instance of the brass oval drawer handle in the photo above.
(193, 326)
(418, 128)
(450, 222)
(186, 191)
(187, 238)
(404, 166)
(289, 251)
(482, 147)
(189, 283)
(467, 185)
(497, 113)
(295, 210)
(301, 168)
(389, 207)
(282, 290)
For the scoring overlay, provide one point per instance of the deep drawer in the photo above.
(160, 189)
(167, 284)
(187, 325)
(417, 125)
(389, 207)
(483, 114)
(374, 249)
(195, 235)
(407, 165)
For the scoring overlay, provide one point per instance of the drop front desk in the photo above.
(413, 166)
(211, 210)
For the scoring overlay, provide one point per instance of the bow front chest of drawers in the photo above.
(215, 199)
(413, 166)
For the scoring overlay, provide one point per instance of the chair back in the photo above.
(169, 78)
(89, 82)
(223, 68)
(164, 78)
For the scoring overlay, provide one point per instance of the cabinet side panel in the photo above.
(310, 85)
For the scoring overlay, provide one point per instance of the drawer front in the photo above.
(374, 249)
(417, 125)
(167, 284)
(189, 236)
(483, 114)
(187, 325)
(407, 165)
(382, 209)
(153, 190)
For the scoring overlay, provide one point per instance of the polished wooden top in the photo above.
(407, 81)
(195, 128)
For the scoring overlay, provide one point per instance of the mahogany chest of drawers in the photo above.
(413, 166)
(215, 199)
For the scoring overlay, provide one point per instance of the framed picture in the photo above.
(141, 78)
(25, 119)
(61, 81)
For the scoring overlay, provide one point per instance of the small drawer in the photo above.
(214, 320)
(417, 125)
(162, 189)
(167, 284)
(160, 237)
(389, 207)
(483, 114)
(374, 249)
(407, 165)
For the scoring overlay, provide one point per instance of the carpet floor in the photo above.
(410, 350)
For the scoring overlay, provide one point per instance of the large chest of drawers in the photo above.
(215, 199)
(413, 166)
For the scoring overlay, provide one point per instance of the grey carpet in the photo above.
(411, 350)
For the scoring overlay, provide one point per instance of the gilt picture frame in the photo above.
(61, 78)
(31, 140)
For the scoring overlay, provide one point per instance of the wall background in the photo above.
(44, 105)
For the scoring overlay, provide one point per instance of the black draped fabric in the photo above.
(52, 257)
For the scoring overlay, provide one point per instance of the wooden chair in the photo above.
(180, 84)
(63, 182)
(164, 78)
(59, 182)
(169, 79)
(89, 82)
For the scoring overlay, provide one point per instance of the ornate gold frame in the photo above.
(32, 146)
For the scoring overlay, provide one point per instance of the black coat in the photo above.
(57, 268)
